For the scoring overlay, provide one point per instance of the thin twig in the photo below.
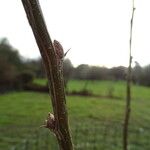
(128, 90)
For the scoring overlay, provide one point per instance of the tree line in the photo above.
(17, 71)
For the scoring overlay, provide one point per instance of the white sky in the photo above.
(97, 31)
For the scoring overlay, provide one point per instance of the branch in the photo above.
(128, 90)
(58, 123)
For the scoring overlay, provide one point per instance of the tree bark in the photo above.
(59, 124)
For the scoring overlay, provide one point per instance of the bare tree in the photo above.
(52, 55)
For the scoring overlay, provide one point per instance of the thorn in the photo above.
(67, 52)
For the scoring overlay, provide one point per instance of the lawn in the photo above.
(96, 123)
(117, 88)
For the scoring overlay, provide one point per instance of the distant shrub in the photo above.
(7, 75)
(24, 78)
(141, 75)
(83, 92)
(36, 87)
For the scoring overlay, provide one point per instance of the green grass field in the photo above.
(96, 123)
(103, 88)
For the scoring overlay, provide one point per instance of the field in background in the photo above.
(104, 88)
(95, 122)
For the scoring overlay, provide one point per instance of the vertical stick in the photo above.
(128, 90)
(58, 123)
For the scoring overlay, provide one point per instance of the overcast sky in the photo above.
(97, 31)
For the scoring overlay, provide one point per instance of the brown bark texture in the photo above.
(58, 124)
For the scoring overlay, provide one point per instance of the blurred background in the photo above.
(95, 72)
